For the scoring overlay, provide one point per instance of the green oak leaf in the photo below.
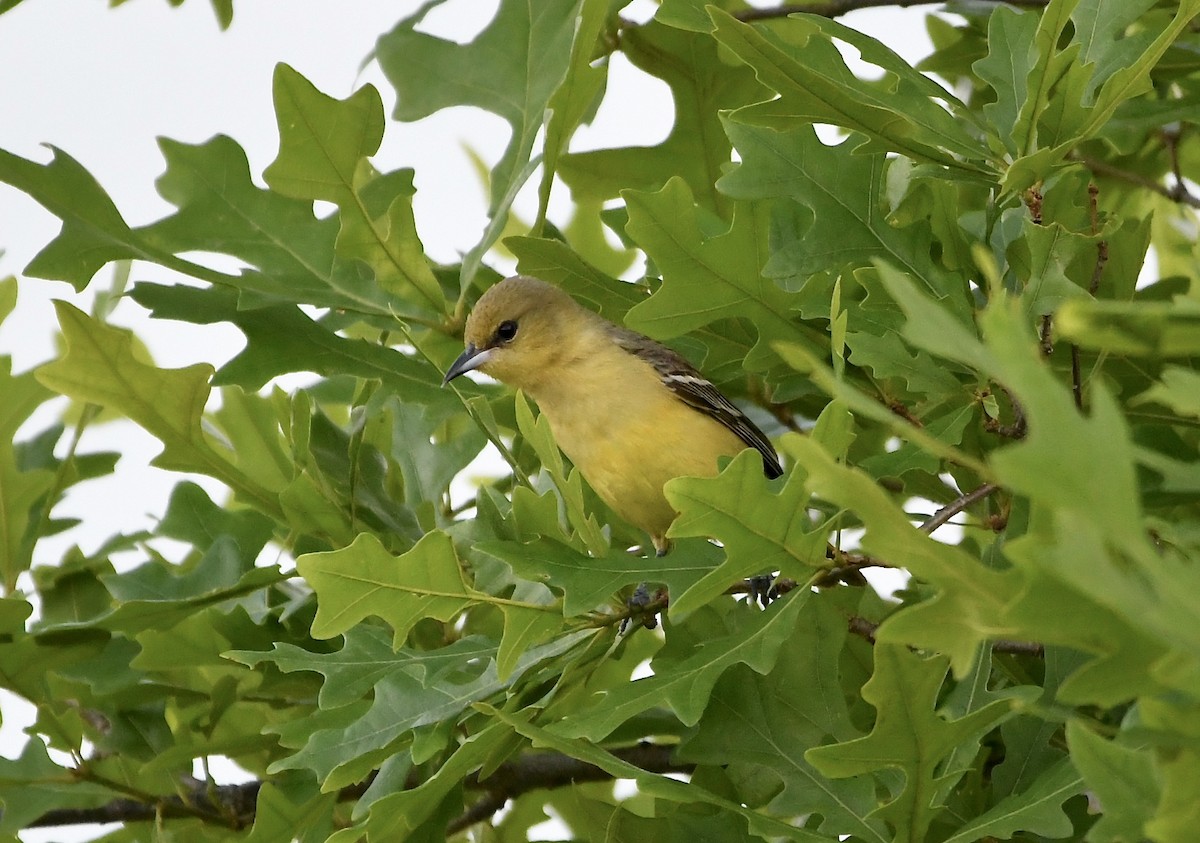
(32, 784)
(324, 144)
(1070, 99)
(1108, 66)
(868, 406)
(1057, 267)
(1102, 28)
(948, 425)
(1052, 609)
(256, 428)
(705, 277)
(814, 85)
(412, 435)
(762, 725)
(1055, 463)
(322, 139)
(1037, 809)
(970, 600)
(290, 250)
(156, 596)
(761, 529)
(283, 339)
(93, 231)
(843, 194)
(364, 579)
(291, 808)
(514, 68)
(696, 150)
(408, 699)
(661, 787)
(1177, 812)
(1007, 68)
(100, 367)
(421, 813)
(590, 581)
(192, 517)
(366, 658)
(888, 357)
(22, 489)
(1123, 778)
(427, 581)
(1137, 328)
(8, 297)
(1177, 388)
(910, 736)
(576, 98)
(686, 686)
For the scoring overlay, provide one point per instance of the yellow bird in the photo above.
(630, 413)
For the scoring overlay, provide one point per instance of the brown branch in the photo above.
(478, 812)
(1046, 335)
(1033, 201)
(548, 770)
(837, 8)
(847, 567)
(1076, 378)
(1171, 139)
(1098, 269)
(956, 506)
(1094, 284)
(783, 414)
(866, 629)
(1176, 193)
(1017, 429)
(233, 805)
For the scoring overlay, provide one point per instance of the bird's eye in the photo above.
(506, 330)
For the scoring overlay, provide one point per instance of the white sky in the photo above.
(103, 83)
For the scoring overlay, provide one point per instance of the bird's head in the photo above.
(518, 331)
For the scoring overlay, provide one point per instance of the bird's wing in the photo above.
(697, 391)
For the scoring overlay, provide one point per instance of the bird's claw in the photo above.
(637, 604)
(761, 589)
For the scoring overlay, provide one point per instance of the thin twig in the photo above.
(1017, 429)
(1176, 193)
(1093, 285)
(1076, 378)
(489, 804)
(1098, 269)
(784, 415)
(900, 409)
(547, 770)
(837, 8)
(956, 506)
(1046, 335)
(1171, 139)
(863, 628)
(866, 629)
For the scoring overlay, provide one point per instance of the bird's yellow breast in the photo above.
(629, 434)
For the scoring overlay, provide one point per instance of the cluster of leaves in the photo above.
(944, 301)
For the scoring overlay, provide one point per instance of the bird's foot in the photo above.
(761, 589)
(643, 607)
(767, 588)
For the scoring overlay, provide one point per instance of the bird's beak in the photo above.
(471, 358)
